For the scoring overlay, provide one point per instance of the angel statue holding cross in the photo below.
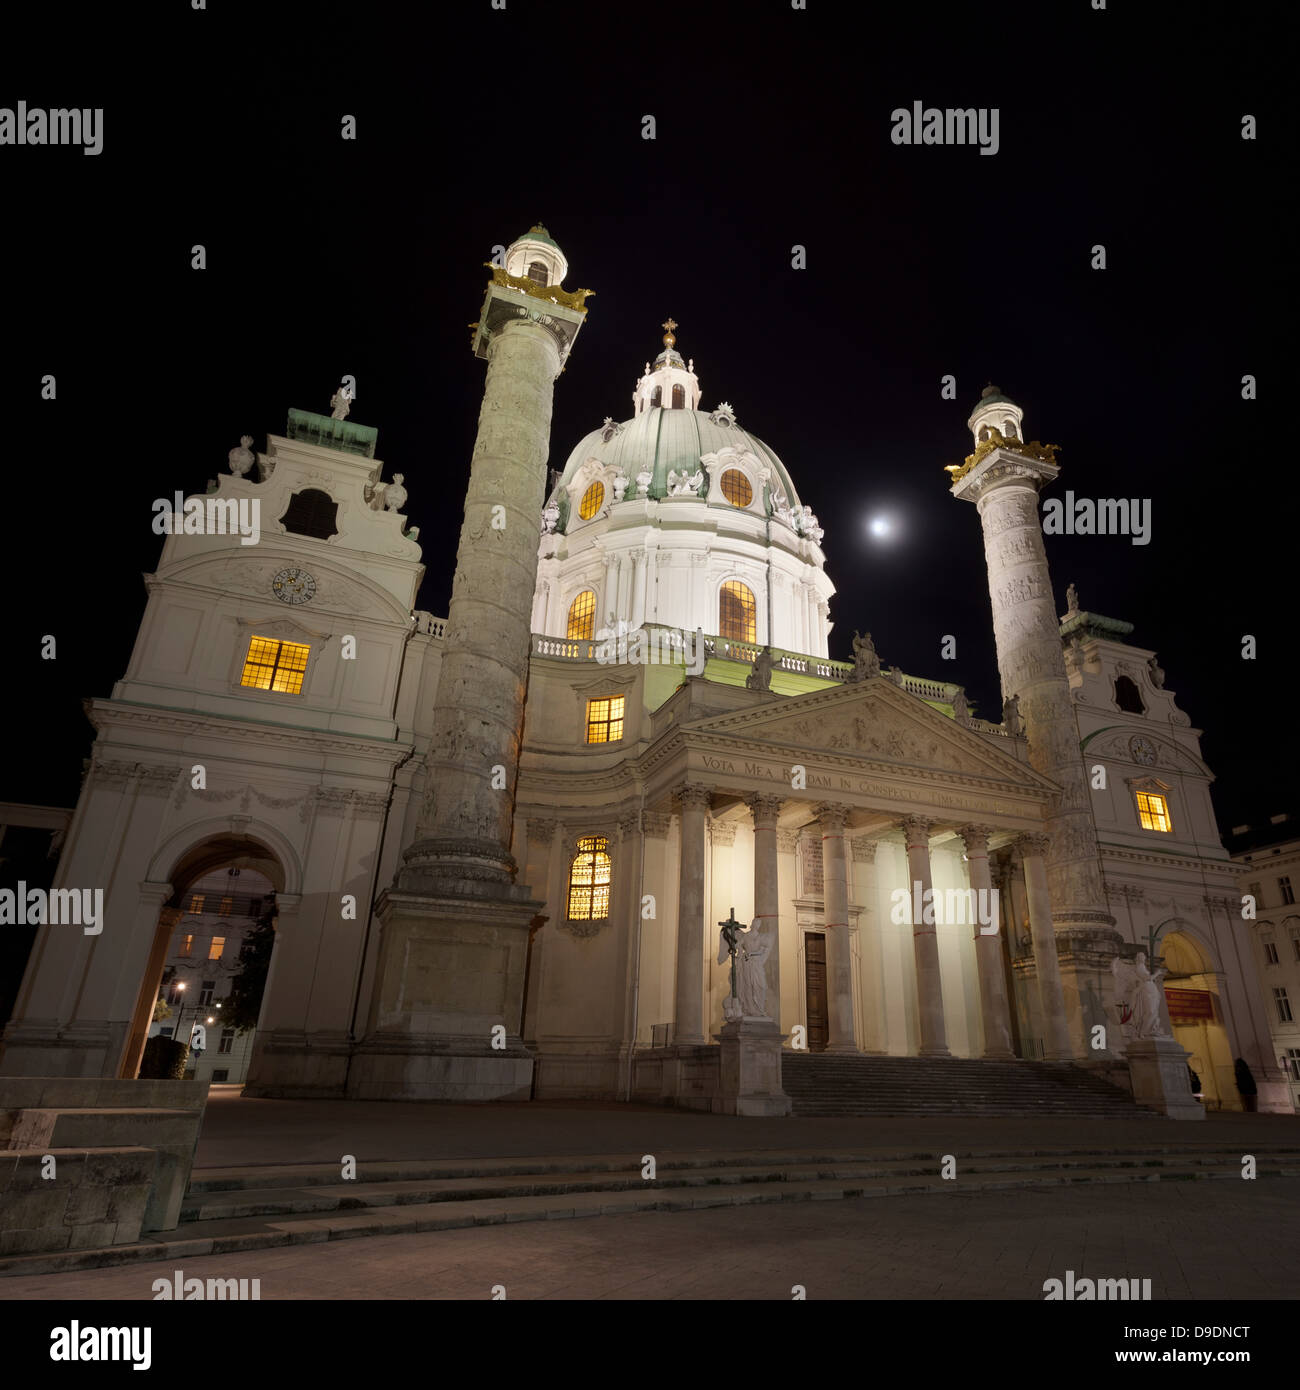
(748, 949)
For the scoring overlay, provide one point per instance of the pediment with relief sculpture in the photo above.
(874, 721)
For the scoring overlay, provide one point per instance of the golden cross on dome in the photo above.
(669, 324)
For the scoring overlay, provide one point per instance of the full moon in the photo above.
(880, 526)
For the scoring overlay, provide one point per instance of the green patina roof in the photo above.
(1094, 625)
(324, 430)
(539, 233)
(661, 439)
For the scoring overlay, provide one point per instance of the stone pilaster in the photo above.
(994, 1012)
(925, 942)
(839, 958)
(692, 805)
(1056, 1035)
(875, 1041)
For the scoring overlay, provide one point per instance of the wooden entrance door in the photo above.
(814, 953)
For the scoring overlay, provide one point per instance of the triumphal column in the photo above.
(445, 1017)
(1003, 477)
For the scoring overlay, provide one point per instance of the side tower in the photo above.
(445, 1018)
(1003, 477)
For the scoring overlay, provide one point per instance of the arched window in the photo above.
(679, 398)
(1009, 429)
(311, 513)
(537, 273)
(582, 616)
(592, 501)
(1127, 696)
(589, 880)
(657, 396)
(736, 488)
(736, 612)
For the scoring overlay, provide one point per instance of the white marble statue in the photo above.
(550, 517)
(684, 484)
(1138, 990)
(241, 459)
(643, 480)
(752, 951)
(341, 403)
(620, 486)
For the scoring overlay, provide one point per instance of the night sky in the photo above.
(328, 257)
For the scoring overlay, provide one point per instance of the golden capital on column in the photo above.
(916, 830)
(692, 794)
(832, 816)
(765, 809)
(1033, 842)
(976, 838)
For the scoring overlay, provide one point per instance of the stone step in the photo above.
(832, 1084)
(252, 1201)
(194, 1239)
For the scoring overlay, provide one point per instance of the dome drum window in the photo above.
(582, 617)
(737, 612)
(592, 501)
(736, 488)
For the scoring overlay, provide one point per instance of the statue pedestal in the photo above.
(751, 1069)
(1158, 1067)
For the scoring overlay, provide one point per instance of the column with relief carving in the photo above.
(925, 942)
(839, 958)
(1047, 970)
(692, 802)
(765, 811)
(994, 1012)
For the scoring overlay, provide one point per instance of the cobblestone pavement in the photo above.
(1213, 1240)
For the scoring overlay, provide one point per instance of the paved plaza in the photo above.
(1217, 1240)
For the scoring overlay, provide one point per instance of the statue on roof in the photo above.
(341, 402)
(960, 706)
(1011, 720)
(760, 678)
(866, 663)
(1071, 600)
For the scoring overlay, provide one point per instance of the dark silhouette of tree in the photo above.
(240, 1008)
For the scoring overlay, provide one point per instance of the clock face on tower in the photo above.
(293, 586)
(1143, 750)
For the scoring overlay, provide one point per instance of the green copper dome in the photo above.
(660, 439)
(539, 233)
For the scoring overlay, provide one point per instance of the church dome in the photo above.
(680, 518)
(662, 440)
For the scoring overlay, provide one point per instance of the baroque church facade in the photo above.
(503, 842)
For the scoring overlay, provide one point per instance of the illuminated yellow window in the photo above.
(605, 719)
(187, 946)
(582, 616)
(1153, 811)
(217, 947)
(275, 666)
(736, 488)
(196, 902)
(589, 880)
(736, 611)
(591, 502)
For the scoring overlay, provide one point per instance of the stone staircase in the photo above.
(234, 1210)
(822, 1083)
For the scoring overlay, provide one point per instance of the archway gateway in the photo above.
(1191, 992)
(216, 853)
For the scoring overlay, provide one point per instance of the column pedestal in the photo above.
(451, 970)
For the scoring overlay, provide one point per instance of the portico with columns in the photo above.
(819, 816)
